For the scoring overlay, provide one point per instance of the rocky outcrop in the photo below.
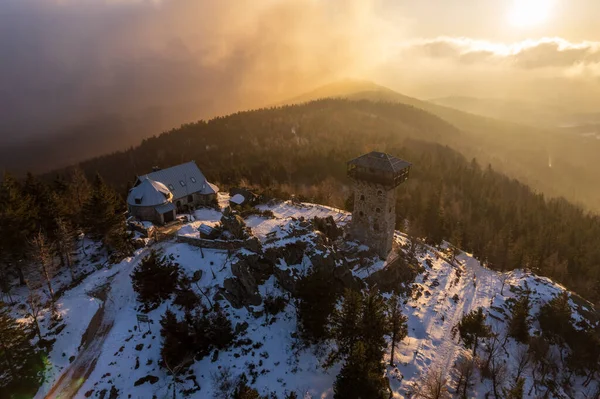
(249, 272)
(328, 227)
(292, 253)
(397, 277)
(235, 225)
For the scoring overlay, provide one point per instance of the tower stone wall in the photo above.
(374, 216)
(375, 177)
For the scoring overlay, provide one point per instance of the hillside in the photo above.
(117, 359)
(546, 159)
(527, 113)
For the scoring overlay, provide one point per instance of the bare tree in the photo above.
(522, 361)
(465, 367)
(177, 369)
(34, 307)
(503, 277)
(492, 350)
(432, 385)
(41, 254)
(65, 244)
(223, 383)
(498, 374)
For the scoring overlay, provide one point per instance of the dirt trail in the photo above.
(73, 377)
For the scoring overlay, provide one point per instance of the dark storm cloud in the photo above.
(65, 61)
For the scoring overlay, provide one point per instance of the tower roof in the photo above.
(380, 161)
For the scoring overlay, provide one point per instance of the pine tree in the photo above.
(17, 224)
(78, 193)
(472, 328)
(374, 326)
(360, 377)
(555, 319)
(518, 326)
(102, 212)
(345, 325)
(21, 366)
(398, 324)
(154, 279)
(65, 244)
(176, 342)
(316, 295)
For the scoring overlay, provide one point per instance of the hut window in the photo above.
(362, 197)
(138, 201)
(190, 198)
(193, 179)
(178, 203)
(182, 183)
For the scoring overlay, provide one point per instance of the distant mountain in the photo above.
(509, 110)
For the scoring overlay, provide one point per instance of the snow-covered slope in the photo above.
(118, 359)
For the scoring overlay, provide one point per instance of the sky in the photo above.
(64, 62)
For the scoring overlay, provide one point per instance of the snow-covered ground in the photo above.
(126, 354)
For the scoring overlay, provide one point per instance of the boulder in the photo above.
(328, 227)
(286, 280)
(235, 292)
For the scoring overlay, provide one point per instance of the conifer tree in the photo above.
(21, 367)
(472, 328)
(398, 324)
(518, 326)
(65, 244)
(316, 295)
(555, 319)
(154, 279)
(17, 225)
(78, 193)
(374, 326)
(102, 212)
(360, 377)
(345, 325)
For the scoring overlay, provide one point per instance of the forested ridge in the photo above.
(302, 150)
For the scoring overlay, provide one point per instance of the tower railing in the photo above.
(389, 180)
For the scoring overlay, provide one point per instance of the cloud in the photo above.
(67, 60)
(529, 54)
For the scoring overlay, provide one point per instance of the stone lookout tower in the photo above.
(375, 176)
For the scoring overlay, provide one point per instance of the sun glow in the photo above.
(528, 13)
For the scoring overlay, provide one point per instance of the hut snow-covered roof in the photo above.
(148, 193)
(182, 180)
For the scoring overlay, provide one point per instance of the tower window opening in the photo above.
(378, 210)
(362, 197)
(390, 209)
(376, 226)
(379, 193)
(360, 213)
